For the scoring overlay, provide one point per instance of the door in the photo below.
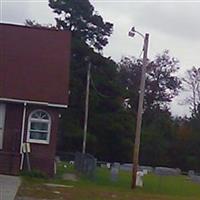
(2, 121)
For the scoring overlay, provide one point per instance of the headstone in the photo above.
(148, 168)
(178, 171)
(166, 171)
(108, 165)
(86, 164)
(103, 165)
(126, 167)
(116, 165)
(139, 179)
(129, 166)
(114, 173)
(195, 178)
(191, 173)
(145, 171)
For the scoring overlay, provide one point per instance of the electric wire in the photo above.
(99, 93)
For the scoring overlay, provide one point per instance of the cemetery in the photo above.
(84, 179)
(94, 102)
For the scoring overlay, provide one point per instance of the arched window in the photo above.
(39, 126)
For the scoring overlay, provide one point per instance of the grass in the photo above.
(101, 187)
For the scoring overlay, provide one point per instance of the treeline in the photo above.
(114, 91)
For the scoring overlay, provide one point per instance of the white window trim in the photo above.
(38, 120)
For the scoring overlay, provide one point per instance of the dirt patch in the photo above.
(41, 192)
(70, 177)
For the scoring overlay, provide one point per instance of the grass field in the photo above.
(100, 188)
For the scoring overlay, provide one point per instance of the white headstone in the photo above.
(108, 165)
(145, 171)
(114, 173)
(139, 179)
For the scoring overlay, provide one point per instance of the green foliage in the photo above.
(105, 130)
(157, 137)
(114, 136)
(80, 18)
(162, 85)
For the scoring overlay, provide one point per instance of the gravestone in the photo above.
(191, 173)
(178, 171)
(114, 173)
(103, 166)
(129, 167)
(145, 172)
(139, 179)
(166, 171)
(108, 165)
(149, 169)
(126, 167)
(86, 164)
(116, 165)
(195, 178)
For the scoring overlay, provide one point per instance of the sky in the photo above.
(172, 25)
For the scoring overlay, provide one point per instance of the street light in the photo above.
(140, 106)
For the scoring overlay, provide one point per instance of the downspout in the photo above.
(22, 136)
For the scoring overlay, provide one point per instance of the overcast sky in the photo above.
(172, 25)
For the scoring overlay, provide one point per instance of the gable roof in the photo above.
(34, 64)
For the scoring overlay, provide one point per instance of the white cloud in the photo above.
(18, 11)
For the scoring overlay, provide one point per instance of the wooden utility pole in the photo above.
(86, 108)
(139, 114)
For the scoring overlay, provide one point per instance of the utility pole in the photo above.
(86, 107)
(139, 114)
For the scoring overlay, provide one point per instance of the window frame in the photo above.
(48, 121)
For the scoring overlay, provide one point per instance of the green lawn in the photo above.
(99, 188)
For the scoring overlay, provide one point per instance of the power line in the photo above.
(99, 93)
